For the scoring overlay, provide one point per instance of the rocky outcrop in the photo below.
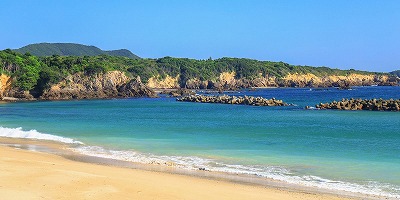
(109, 85)
(18, 95)
(360, 104)
(178, 92)
(225, 99)
(198, 84)
(167, 82)
(311, 80)
(113, 84)
(5, 83)
(135, 88)
(227, 81)
(9, 93)
(116, 84)
(81, 86)
(390, 81)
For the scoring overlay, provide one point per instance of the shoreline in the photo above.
(7, 99)
(57, 152)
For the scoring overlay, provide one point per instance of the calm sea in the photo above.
(357, 151)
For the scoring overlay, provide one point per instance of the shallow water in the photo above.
(354, 151)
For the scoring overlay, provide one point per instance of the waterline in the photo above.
(195, 163)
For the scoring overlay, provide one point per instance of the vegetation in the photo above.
(25, 68)
(396, 73)
(71, 49)
(37, 73)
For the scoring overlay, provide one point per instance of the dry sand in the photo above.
(27, 174)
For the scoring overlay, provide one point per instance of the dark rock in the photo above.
(135, 88)
(19, 94)
(360, 104)
(225, 99)
(181, 92)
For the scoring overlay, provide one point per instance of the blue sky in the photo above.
(358, 34)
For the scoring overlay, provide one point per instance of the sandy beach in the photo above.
(26, 174)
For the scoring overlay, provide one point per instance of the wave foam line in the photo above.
(33, 134)
(272, 172)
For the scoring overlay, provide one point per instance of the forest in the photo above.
(37, 73)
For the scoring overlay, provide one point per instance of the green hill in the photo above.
(123, 53)
(396, 73)
(71, 49)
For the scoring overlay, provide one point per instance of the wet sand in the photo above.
(27, 174)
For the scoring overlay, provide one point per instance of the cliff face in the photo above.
(167, 82)
(227, 81)
(5, 83)
(135, 88)
(79, 86)
(310, 80)
(109, 85)
(114, 84)
(9, 93)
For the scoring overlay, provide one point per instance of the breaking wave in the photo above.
(272, 172)
(33, 134)
(197, 163)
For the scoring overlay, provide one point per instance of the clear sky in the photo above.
(358, 34)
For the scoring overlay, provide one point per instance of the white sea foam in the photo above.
(33, 134)
(272, 172)
(197, 163)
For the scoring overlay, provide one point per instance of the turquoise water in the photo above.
(356, 151)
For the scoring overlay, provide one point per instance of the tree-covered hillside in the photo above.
(37, 73)
(396, 73)
(71, 49)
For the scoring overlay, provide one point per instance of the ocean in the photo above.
(353, 151)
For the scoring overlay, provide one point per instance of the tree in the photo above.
(27, 77)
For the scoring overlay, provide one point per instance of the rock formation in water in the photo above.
(362, 104)
(225, 99)
(178, 92)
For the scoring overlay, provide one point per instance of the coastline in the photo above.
(55, 173)
(221, 160)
